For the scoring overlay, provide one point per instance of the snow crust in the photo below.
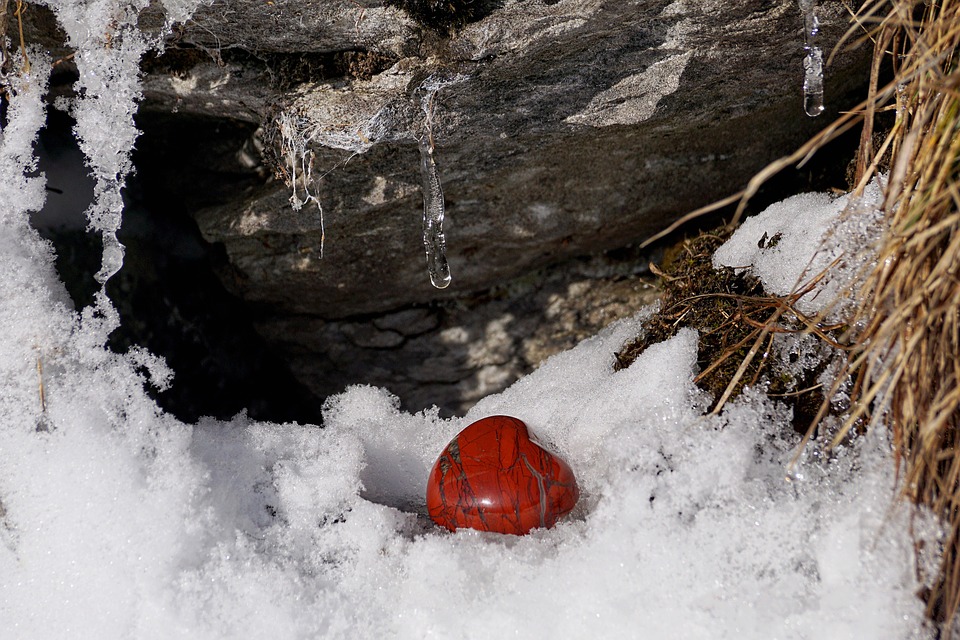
(118, 521)
(792, 242)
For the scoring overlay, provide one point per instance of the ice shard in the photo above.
(812, 60)
(434, 242)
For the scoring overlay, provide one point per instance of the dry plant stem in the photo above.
(4, 24)
(3, 31)
(906, 359)
(746, 363)
(763, 358)
(23, 45)
(693, 215)
(725, 356)
(798, 392)
(763, 331)
(43, 399)
(865, 158)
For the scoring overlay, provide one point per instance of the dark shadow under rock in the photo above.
(453, 354)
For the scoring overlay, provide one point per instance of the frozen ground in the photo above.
(118, 521)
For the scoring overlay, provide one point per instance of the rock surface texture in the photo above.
(562, 128)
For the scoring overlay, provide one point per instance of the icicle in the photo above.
(434, 241)
(812, 61)
(299, 161)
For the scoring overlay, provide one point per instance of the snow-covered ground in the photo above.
(118, 521)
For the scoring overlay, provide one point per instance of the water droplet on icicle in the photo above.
(434, 241)
(812, 61)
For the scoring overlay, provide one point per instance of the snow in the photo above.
(118, 521)
(793, 242)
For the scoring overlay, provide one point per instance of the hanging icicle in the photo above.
(295, 141)
(812, 61)
(434, 241)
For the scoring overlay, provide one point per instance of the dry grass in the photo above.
(905, 361)
(4, 23)
(738, 324)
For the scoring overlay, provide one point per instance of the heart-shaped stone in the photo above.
(495, 476)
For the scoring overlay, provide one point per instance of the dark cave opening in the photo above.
(168, 295)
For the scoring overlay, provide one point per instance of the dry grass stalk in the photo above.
(738, 324)
(905, 361)
(3, 33)
(5, 62)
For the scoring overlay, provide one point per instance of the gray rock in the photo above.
(562, 128)
(454, 354)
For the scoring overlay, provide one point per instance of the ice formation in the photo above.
(434, 242)
(21, 193)
(812, 60)
(107, 47)
(387, 113)
(299, 162)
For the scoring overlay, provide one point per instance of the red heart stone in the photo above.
(494, 476)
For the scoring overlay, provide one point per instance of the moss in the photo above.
(729, 310)
(690, 299)
(290, 70)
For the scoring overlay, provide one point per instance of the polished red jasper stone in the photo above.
(494, 476)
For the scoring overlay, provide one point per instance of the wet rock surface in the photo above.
(562, 129)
